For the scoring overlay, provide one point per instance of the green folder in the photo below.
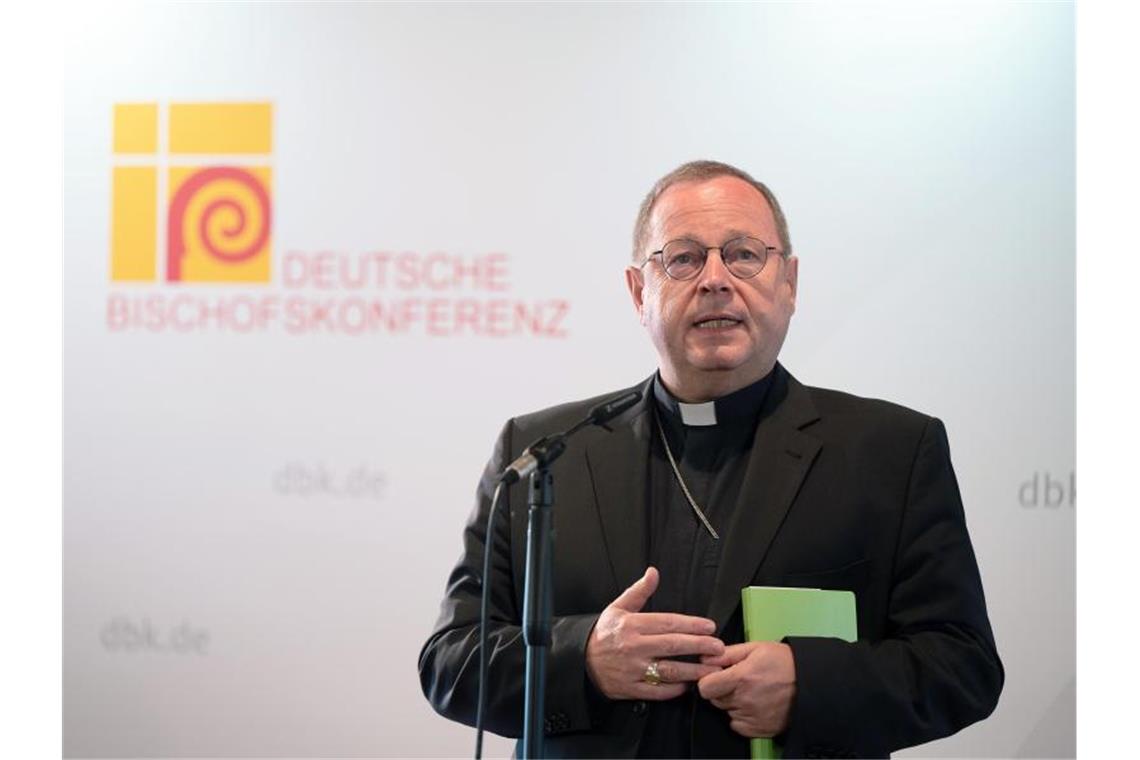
(773, 612)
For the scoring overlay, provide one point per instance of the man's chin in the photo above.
(724, 360)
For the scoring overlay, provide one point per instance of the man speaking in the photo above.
(728, 473)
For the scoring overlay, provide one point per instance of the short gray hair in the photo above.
(701, 171)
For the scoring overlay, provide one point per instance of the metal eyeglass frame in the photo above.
(768, 249)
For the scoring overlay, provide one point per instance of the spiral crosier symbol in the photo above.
(197, 182)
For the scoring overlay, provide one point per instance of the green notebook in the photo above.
(773, 612)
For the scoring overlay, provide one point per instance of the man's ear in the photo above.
(792, 276)
(635, 282)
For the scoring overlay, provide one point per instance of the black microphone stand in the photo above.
(538, 592)
(538, 607)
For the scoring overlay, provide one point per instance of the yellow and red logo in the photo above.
(215, 197)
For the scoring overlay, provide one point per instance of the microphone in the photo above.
(606, 411)
(548, 448)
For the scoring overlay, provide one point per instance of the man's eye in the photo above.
(746, 254)
(683, 259)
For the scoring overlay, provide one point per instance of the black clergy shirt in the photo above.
(712, 459)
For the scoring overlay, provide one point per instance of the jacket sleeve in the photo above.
(449, 660)
(937, 670)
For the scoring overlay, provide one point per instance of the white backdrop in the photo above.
(260, 515)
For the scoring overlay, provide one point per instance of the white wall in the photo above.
(924, 156)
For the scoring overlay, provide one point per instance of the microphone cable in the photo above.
(484, 603)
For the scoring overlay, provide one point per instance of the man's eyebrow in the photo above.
(731, 234)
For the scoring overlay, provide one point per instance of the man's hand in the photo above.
(756, 687)
(625, 641)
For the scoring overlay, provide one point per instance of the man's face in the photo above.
(701, 358)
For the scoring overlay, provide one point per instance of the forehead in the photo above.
(710, 209)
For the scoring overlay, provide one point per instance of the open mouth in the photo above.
(716, 323)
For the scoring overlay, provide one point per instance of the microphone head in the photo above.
(607, 410)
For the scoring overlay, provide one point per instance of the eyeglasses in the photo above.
(744, 257)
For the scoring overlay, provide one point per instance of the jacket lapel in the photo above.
(781, 456)
(618, 466)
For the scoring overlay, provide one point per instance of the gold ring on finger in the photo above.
(652, 674)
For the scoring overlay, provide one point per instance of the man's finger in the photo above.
(674, 671)
(635, 597)
(680, 644)
(659, 692)
(717, 685)
(744, 728)
(672, 622)
(725, 703)
(732, 654)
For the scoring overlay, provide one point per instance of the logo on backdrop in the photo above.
(122, 634)
(1048, 490)
(200, 187)
(318, 479)
(193, 205)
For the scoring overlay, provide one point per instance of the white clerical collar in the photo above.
(698, 415)
(739, 407)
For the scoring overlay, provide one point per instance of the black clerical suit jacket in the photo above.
(839, 492)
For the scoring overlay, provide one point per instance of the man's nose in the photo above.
(715, 275)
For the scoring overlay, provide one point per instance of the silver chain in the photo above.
(684, 488)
